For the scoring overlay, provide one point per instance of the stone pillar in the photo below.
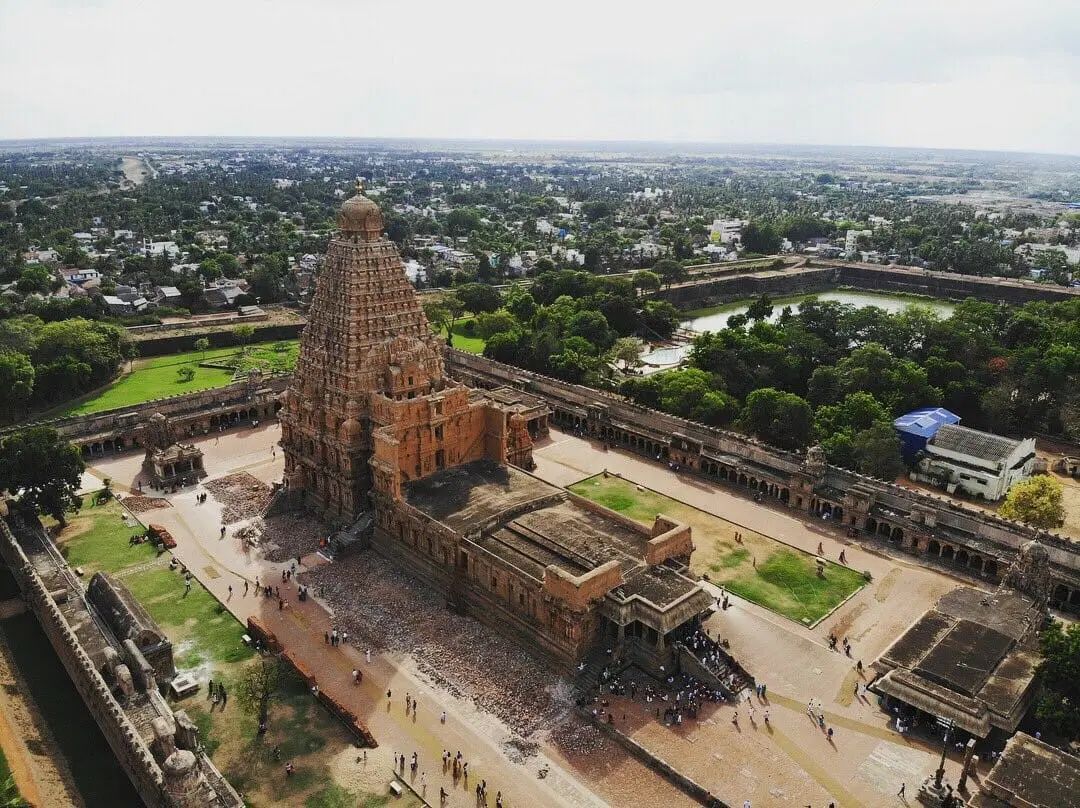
(184, 783)
(187, 734)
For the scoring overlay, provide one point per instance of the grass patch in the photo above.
(9, 792)
(157, 377)
(97, 539)
(462, 340)
(334, 796)
(758, 568)
(730, 560)
(207, 632)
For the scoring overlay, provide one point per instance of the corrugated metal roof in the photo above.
(972, 442)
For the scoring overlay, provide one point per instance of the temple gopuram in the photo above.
(374, 431)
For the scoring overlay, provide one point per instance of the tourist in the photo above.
(288, 769)
(843, 558)
(223, 531)
(210, 690)
(245, 588)
(902, 793)
(224, 696)
(498, 799)
(766, 716)
(367, 654)
(442, 718)
(345, 638)
(230, 593)
(830, 734)
(355, 676)
(187, 587)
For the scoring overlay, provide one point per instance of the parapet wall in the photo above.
(872, 277)
(124, 739)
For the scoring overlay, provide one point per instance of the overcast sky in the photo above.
(944, 73)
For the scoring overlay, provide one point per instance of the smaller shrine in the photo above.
(169, 462)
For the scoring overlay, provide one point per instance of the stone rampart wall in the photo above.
(124, 739)
(175, 343)
(906, 280)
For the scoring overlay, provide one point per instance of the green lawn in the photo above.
(9, 792)
(157, 377)
(758, 568)
(462, 341)
(97, 539)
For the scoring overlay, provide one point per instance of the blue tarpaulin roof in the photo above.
(926, 421)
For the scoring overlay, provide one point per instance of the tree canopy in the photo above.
(44, 470)
(1037, 501)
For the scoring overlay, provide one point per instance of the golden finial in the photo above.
(359, 185)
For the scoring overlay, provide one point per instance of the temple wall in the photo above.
(920, 523)
(128, 746)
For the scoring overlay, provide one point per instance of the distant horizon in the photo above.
(545, 141)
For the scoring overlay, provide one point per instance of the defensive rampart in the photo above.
(871, 277)
(158, 749)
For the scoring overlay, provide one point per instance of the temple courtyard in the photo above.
(515, 722)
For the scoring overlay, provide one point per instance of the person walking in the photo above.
(224, 695)
(355, 676)
(902, 793)
(367, 655)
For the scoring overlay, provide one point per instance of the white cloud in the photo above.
(958, 73)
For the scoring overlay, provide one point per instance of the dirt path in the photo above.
(36, 764)
(136, 171)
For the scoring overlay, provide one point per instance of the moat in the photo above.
(714, 318)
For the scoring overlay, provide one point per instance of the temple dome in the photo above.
(359, 216)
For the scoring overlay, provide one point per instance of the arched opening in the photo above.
(990, 568)
(871, 525)
(897, 535)
(933, 548)
(1061, 595)
(948, 553)
(962, 558)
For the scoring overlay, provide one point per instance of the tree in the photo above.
(1059, 699)
(478, 297)
(43, 469)
(760, 238)
(462, 221)
(243, 335)
(660, 318)
(1037, 501)
(669, 271)
(491, 323)
(443, 313)
(646, 281)
(780, 418)
(760, 309)
(202, 345)
(521, 304)
(259, 684)
(877, 452)
(626, 350)
(35, 279)
(16, 383)
(185, 373)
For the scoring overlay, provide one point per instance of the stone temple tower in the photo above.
(366, 340)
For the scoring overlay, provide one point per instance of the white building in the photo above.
(727, 231)
(978, 463)
(851, 240)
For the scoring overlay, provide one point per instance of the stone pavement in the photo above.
(790, 761)
(221, 562)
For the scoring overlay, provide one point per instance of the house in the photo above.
(167, 295)
(975, 462)
(123, 235)
(415, 271)
(118, 305)
(169, 248)
(851, 240)
(45, 256)
(223, 294)
(726, 231)
(79, 276)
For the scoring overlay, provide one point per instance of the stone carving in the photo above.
(1030, 573)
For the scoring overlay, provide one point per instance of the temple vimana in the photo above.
(373, 430)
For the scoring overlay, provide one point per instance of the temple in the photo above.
(374, 431)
